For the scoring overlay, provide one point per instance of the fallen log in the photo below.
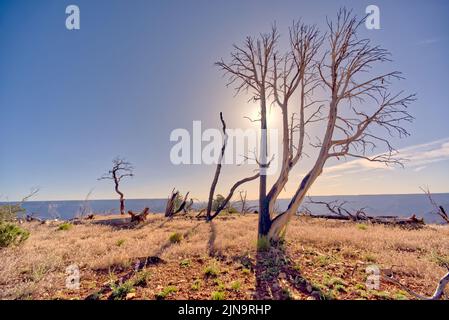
(412, 221)
(326, 216)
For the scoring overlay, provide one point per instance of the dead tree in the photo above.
(231, 194)
(209, 215)
(350, 122)
(337, 208)
(249, 70)
(356, 103)
(120, 169)
(242, 195)
(339, 212)
(439, 210)
(175, 203)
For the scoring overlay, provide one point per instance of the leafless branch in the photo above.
(439, 210)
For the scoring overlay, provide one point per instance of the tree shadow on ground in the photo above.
(278, 279)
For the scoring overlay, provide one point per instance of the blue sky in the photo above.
(70, 101)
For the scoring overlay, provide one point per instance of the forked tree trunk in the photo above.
(217, 171)
(338, 70)
(209, 215)
(279, 224)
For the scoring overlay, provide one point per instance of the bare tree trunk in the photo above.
(231, 193)
(217, 171)
(122, 197)
(280, 222)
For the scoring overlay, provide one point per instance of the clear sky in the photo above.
(70, 101)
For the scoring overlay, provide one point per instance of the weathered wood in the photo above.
(170, 203)
(170, 209)
(231, 193)
(209, 215)
(437, 295)
(139, 217)
(273, 77)
(183, 204)
(217, 170)
(412, 221)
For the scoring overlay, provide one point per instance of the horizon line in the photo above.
(333, 195)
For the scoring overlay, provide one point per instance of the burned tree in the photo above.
(225, 201)
(176, 203)
(359, 114)
(120, 169)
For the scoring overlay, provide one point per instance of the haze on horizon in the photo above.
(71, 101)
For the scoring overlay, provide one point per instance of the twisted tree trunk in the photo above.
(121, 195)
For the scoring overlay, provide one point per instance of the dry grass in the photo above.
(331, 255)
